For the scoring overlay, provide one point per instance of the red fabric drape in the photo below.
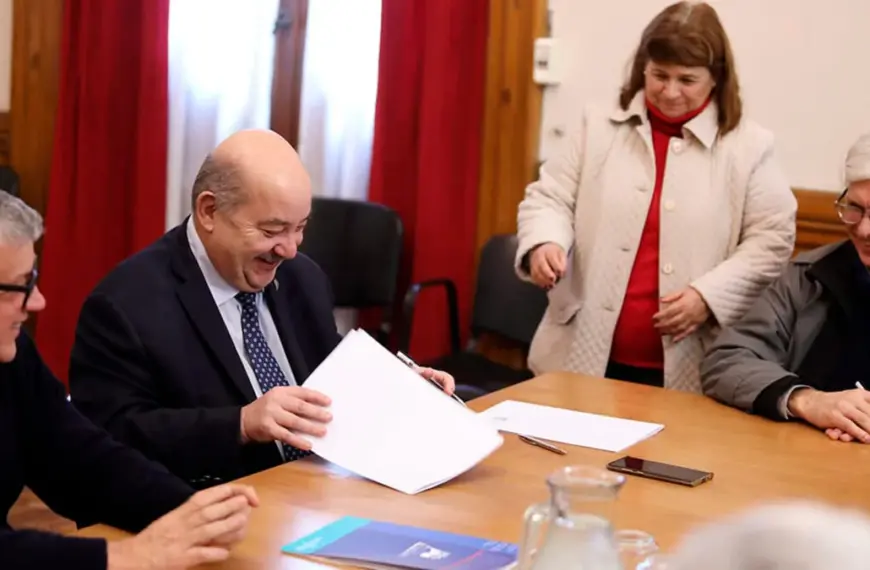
(107, 192)
(426, 150)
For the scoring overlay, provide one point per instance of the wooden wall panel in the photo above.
(511, 126)
(817, 221)
(36, 38)
(4, 138)
(290, 28)
(512, 113)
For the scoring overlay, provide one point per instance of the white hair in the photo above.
(786, 536)
(19, 223)
(858, 160)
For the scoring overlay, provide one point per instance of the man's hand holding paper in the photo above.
(285, 412)
(423, 436)
(288, 413)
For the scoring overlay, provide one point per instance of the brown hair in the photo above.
(689, 34)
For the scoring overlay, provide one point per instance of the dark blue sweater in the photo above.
(77, 469)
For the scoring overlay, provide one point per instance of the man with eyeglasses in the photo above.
(77, 469)
(802, 352)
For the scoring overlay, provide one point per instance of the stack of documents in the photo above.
(392, 426)
(568, 426)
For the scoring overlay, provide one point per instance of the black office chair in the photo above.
(358, 245)
(9, 180)
(504, 305)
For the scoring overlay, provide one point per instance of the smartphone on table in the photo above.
(660, 471)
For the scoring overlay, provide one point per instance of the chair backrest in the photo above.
(503, 303)
(9, 180)
(358, 245)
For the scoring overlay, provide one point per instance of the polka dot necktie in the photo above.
(262, 360)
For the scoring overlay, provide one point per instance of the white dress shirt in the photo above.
(230, 309)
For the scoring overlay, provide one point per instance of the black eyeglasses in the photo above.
(27, 288)
(850, 214)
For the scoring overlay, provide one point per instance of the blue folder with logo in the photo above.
(380, 545)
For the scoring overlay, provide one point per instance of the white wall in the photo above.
(804, 68)
(5, 53)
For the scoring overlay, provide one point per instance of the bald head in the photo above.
(251, 203)
(246, 162)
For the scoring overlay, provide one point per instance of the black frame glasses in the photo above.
(849, 214)
(27, 288)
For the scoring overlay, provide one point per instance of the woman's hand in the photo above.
(547, 264)
(684, 312)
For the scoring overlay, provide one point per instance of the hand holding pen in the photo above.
(442, 380)
(840, 434)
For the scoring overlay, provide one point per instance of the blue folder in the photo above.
(381, 545)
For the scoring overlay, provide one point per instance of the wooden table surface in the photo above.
(752, 460)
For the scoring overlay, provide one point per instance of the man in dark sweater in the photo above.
(78, 469)
(801, 352)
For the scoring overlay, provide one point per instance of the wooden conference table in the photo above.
(752, 459)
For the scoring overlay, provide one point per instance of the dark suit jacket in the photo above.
(154, 364)
(77, 469)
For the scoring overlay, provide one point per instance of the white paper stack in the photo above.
(569, 426)
(392, 426)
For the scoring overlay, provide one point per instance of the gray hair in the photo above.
(219, 179)
(858, 160)
(19, 223)
(799, 535)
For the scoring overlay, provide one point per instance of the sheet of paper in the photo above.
(392, 426)
(568, 426)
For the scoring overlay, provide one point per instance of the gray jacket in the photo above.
(769, 343)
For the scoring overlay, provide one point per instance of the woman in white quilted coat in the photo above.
(661, 220)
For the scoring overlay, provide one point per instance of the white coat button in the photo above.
(667, 269)
(677, 146)
(641, 188)
(624, 248)
(670, 205)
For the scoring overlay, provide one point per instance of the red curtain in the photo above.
(426, 155)
(107, 191)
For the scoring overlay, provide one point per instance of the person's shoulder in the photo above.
(797, 278)
(596, 124)
(806, 258)
(602, 115)
(750, 137)
(144, 270)
(17, 373)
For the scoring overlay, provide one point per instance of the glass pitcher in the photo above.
(638, 550)
(573, 531)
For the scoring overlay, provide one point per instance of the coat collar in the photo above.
(221, 291)
(845, 277)
(704, 127)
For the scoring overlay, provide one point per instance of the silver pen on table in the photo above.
(525, 438)
(541, 443)
(411, 364)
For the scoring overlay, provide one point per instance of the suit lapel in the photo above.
(277, 295)
(206, 318)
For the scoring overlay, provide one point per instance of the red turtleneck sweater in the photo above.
(636, 342)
